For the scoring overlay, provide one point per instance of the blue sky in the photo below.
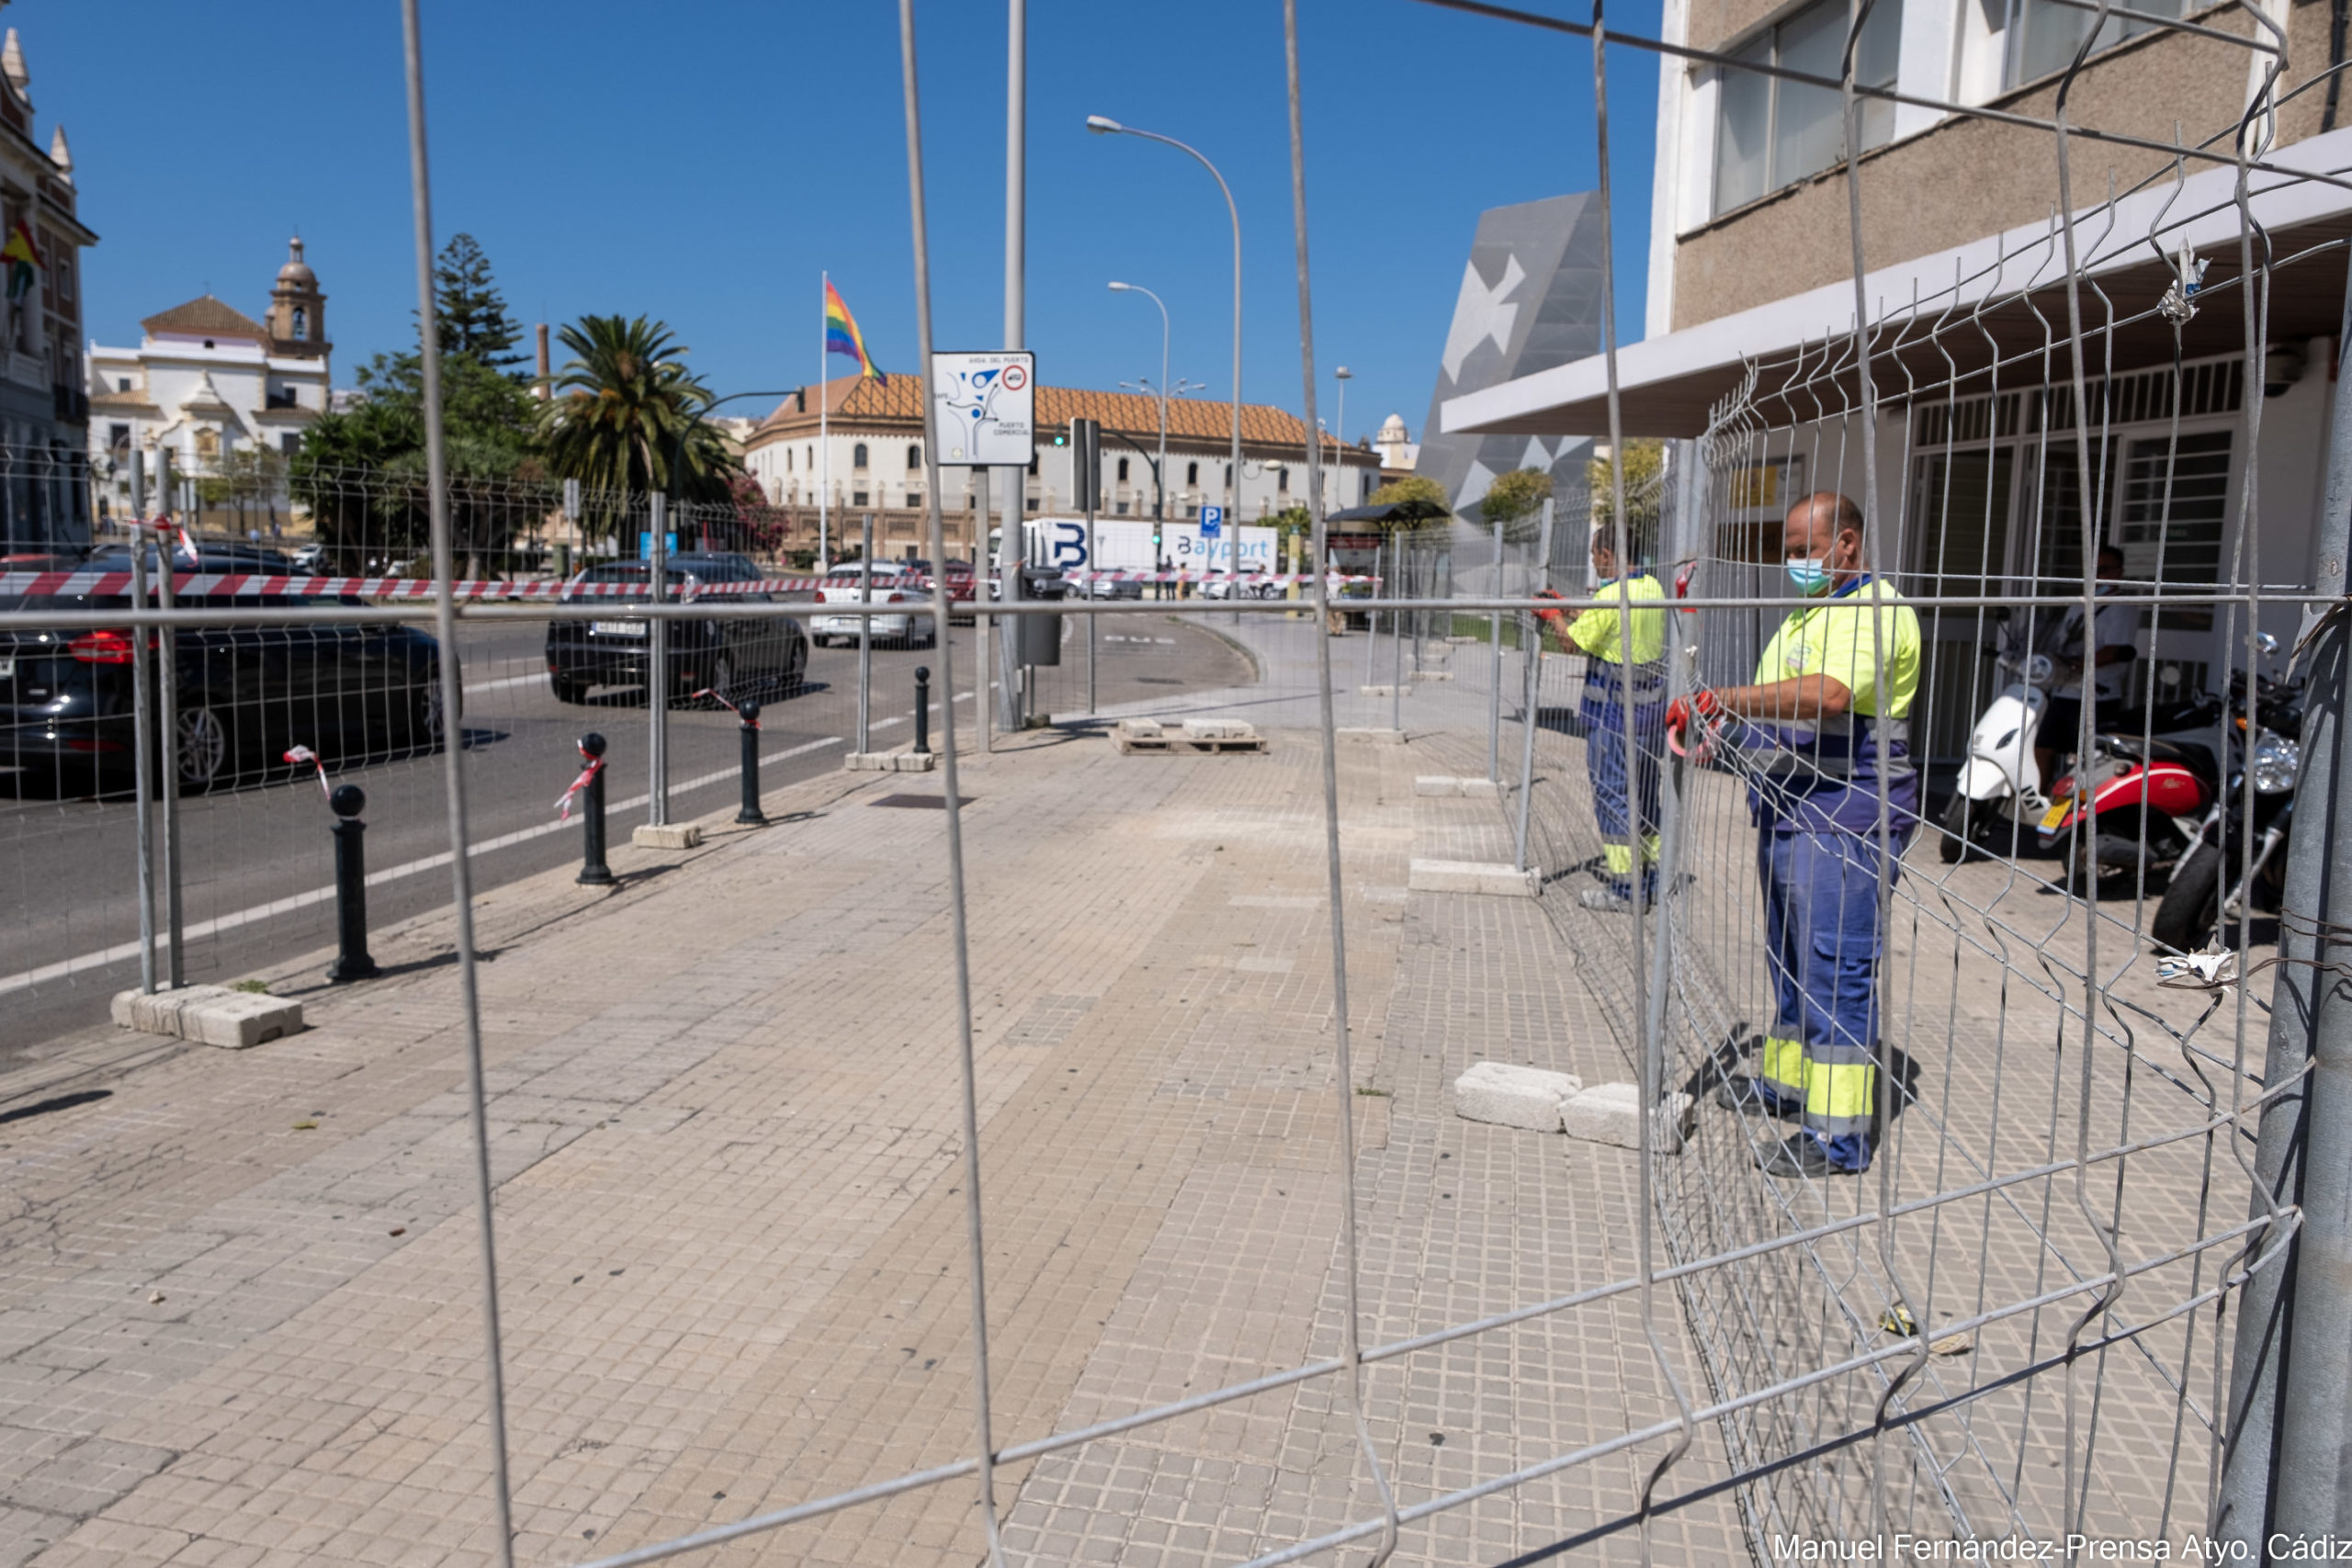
(702, 161)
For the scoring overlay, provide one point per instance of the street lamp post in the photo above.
(1103, 126)
(1159, 485)
(1344, 375)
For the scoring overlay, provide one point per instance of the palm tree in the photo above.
(626, 417)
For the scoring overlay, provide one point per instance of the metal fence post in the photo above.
(2287, 1463)
(142, 733)
(167, 700)
(865, 637)
(1371, 625)
(1533, 653)
(1495, 677)
(1395, 645)
(983, 624)
(657, 668)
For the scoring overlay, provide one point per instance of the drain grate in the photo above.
(1157, 681)
(921, 802)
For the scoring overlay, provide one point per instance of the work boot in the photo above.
(1749, 1098)
(1606, 900)
(1802, 1156)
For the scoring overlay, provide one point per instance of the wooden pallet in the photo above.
(1176, 741)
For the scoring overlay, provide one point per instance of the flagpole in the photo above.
(824, 445)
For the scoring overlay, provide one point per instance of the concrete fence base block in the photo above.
(1513, 1096)
(1140, 728)
(913, 762)
(1446, 785)
(1462, 640)
(1610, 1113)
(210, 1015)
(1471, 877)
(673, 836)
(1383, 690)
(1431, 675)
(1219, 729)
(1363, 737)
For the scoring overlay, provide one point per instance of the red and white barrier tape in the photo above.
(201, 584)
(713, 691)
(304, 754)
(563, 802)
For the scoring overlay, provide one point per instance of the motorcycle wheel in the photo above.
(2191, 909)
(1959, 832)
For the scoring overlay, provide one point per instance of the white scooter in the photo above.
(2001, 783)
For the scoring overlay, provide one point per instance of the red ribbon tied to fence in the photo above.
(709, 691)
(563, 802)
(301, 754)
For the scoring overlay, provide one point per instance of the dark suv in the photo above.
(246, 694)
(739, 657)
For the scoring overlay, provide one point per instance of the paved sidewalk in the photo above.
(241, 1324)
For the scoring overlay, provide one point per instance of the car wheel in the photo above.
(722, 680)
(426, 718)
(571, 691)
(205, 750)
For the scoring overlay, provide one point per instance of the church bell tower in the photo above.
(298, 312)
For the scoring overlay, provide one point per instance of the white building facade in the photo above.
(207, 382)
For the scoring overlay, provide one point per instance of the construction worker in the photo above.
(1624, 789)
(1826, 724)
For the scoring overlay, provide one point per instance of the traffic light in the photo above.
(1085, 441)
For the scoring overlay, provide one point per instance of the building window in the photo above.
(914, 498)
(1770, 133)
(857, 457)
(1191, 473)
(289, 444)
(788, 460)
(122, 383)
(1281, 480)
(1123, 471)
(301, 322)
(1122, 509)
(1032, 465)
(118, 439)
(914, 457)
(2041, 36)
(857, 498)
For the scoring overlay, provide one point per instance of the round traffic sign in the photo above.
(1015, 377)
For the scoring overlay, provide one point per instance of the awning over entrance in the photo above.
(1668, 386)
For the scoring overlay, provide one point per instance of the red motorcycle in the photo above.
(2134, 804)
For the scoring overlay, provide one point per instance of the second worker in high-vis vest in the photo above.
(1824, 738)
(1624, 788)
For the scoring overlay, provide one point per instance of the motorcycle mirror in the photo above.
(2265, 644)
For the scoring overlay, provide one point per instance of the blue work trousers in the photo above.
(1821, 935)
(1624, 799)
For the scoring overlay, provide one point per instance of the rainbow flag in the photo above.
(23, 261)
(841, 336)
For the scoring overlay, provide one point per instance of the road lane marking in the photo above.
(123, 951)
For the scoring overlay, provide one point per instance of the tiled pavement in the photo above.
(724, 1130)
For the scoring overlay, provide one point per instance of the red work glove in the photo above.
(1702, 703)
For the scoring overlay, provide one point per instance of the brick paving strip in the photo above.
(724, 1123)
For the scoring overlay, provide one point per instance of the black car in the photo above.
(247, 695)
(741, 657)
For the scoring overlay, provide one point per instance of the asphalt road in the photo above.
(259, 861)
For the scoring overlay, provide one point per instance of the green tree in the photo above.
(627, 416)
(1645, 472)
(1514, 495)
(471, 311)
(1411, 487)
(363, 474)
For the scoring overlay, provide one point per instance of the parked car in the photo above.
(738, 656)
(246, 694)
(893, 584)
(1243, 588)
(310, 557)
(1105, 588)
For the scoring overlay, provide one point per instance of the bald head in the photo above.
(1827, 527)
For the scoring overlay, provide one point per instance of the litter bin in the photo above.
(1040, 639)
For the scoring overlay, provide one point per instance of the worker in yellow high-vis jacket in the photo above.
(1625, 785)
(1825, 725)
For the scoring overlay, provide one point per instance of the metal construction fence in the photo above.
(2053, 1302)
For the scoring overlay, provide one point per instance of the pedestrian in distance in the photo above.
(1827, 721)
(1624, 783)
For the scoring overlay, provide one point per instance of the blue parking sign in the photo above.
(1212, 521)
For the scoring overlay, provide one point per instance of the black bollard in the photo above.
(922, 710)
(593, 872)
(351, 961)
(750, 815)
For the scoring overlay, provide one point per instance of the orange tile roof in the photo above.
(896, 400)
(206, 317)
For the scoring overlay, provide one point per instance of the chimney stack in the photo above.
(546, 391)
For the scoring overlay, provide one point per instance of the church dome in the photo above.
(1393, 428)
(295, 271)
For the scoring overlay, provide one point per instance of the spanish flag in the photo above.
(841, 336)
(23, 260)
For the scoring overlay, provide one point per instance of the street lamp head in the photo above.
(1344, 374)
(1103, 125)
(1118, 288)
